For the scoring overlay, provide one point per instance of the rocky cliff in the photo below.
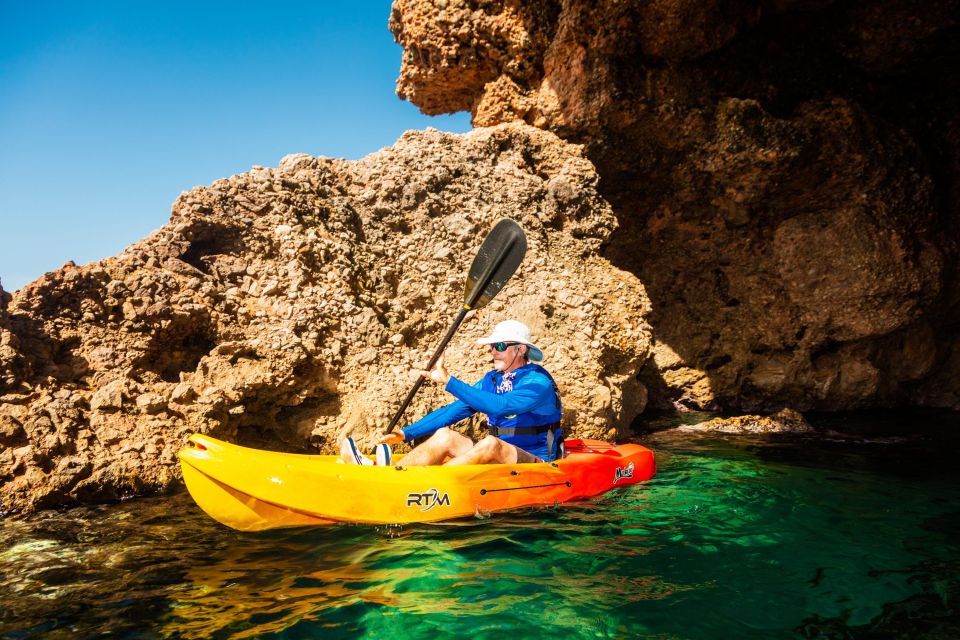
(732, 205)
(784, 175)
(289, 305)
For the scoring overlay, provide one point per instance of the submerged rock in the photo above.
(784, 421)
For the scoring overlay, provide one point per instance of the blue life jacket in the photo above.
(537, 433)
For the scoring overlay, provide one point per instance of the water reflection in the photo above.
(493, 568)
(730, 539)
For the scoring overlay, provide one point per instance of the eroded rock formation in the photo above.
(289, 304)
(729, 205)
(785, 176)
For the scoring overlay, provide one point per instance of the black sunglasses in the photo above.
(500, 347)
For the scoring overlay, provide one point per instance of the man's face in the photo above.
(505, 358)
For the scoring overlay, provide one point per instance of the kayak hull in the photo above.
(251, 490)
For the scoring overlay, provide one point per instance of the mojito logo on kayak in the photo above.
(428, 500)
(623, 472)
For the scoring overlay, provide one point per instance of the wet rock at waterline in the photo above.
(289, 304)
(784, 177)
(785, 421)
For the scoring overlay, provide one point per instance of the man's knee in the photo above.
(492, 448)
(451, 441)
(444, 434)
(489, 442)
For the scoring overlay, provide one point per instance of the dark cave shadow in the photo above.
(690, 260)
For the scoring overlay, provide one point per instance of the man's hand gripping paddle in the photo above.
(498, 258)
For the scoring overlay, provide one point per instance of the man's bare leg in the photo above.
(443, 443)
(493, 450)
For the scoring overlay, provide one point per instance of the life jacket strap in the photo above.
(522, 431)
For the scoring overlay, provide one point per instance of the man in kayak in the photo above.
(519, 397)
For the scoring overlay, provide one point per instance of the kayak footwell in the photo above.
(251, 490)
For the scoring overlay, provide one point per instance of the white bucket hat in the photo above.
(514, 331)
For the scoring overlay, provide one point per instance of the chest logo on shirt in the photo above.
(506, 382)
(428, 500)
(623, 472)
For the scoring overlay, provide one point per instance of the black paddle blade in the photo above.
(498, 258)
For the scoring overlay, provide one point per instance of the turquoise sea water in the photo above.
(734, 537)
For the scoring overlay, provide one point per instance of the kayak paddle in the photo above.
(498, 258)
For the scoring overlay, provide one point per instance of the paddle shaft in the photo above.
(472, 297)
(436, 356)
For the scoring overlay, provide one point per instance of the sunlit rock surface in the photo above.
(729, 206)
(784, 175)
(289, 305)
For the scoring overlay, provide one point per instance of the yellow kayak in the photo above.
(250, 489)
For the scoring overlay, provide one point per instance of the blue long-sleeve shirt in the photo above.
(534, 393)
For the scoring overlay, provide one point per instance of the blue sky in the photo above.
(108, 110)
